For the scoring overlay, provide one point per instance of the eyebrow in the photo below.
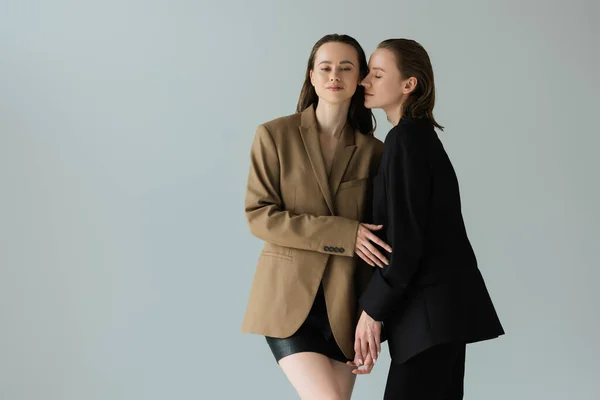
(381, 69)
(341, 62)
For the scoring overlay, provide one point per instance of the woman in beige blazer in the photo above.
(306, 193)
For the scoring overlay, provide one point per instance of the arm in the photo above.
(267, 219)
(408, 188)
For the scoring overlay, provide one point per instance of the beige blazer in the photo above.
(309, 223)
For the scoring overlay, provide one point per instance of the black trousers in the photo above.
(435, 374)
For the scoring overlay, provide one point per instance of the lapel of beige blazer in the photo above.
(341, 158)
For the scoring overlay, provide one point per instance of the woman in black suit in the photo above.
(431, 297)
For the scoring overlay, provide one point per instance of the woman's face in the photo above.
(384, 86)
(335, 73)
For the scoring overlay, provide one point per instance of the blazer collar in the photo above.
(343, 153)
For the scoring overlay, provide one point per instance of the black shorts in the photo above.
(314, 335)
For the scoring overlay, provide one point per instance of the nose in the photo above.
(334, 75)
(365, 83)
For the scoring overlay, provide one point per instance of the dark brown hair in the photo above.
(413, 61)
(359, 116)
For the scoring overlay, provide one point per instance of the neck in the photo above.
(331, 118)
(393, 114)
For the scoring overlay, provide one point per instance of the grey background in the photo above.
(125, 128)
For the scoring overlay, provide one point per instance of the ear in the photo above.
(409, 85)
(311, 77)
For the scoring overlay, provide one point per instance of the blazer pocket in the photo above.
(352, 183)
(276, 255)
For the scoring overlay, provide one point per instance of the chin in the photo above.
(370, 104)
(336, 100)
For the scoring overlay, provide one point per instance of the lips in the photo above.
(334, 88)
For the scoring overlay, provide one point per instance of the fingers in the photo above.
(375, 239)
(376, 253)
(368, 367)
(365, 233)
(372, 347)
(369, 363)
(366, 370)
(380, 242)
(373, 227)
(361, 250)
(364, 345)
(377, 337)
(365, 250)
(358, 352)
(362, 255)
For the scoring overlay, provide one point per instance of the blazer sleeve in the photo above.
(408, 184)
(270, 222)
(364, 272)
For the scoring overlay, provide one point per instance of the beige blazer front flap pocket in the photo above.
(353, 183)
(277, 255)
(273, 250)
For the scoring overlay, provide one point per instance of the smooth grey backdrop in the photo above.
(125, 127)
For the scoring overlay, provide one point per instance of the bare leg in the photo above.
(312, 376)
(344, 377)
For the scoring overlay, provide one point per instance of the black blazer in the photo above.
(432, 291)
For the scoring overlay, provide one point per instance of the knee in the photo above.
(334, 396)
